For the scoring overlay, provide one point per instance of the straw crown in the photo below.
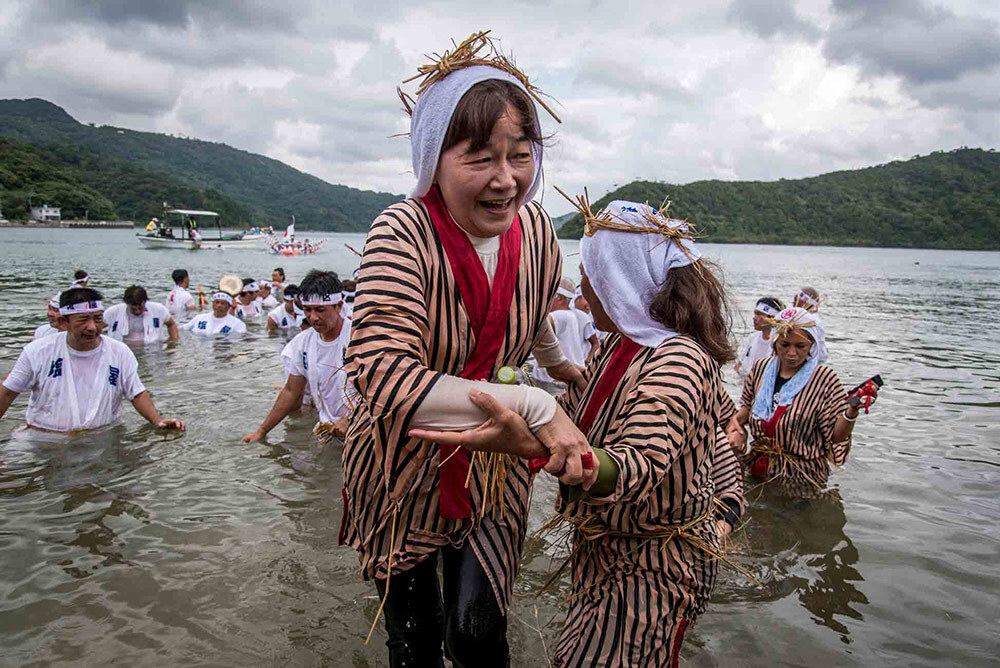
(476, 49)
(659, 222)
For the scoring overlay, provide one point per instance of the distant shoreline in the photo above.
(70, 224)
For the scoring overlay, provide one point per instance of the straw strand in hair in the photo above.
(468, 54)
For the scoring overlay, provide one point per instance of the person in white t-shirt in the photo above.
(278, 283)
(267, 300)
(219, 322)
(179, 301)
(286, 315)
(140, 320)
(78, 377)
(247, 305)
(315, 358)
(809, 299)
(575, 333)
(758, 344)
(52, 326)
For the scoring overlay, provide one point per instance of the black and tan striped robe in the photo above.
(409, 328)
(727, 474)
(633, 595)
(805, 431)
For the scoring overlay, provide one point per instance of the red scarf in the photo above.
(622, 356)
(760, 464)
(488, 311)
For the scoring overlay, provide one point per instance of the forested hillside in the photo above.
(269, 190)
(943, 200)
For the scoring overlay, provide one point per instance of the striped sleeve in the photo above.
(727, 473)
(386, 359)
(834, 399)
(752, 382)
(660, 411)
(727, 409)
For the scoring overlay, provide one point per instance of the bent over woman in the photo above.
(455, 283)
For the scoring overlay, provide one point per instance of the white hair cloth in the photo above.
(815, 329)
(251, 287)
(627, 270)
(432, 116)
(54, 301)
(81, 307)
(224, 296)
(565, 293)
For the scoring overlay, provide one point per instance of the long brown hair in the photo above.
(480, 109)
(693, 301)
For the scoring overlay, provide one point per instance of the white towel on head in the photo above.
(432, 116)
(627, 270)
(816, 331)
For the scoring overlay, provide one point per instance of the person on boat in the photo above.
(267, 300)
(315, 358)
(278, 282)
(79, 377)
(435, 310)
(650, 415)
(80, 279)
(151, 225)
(571, 331)
(220, 322)
(800, 417)
(757, 345)
(286, 315)
(140, 320)
(248, 307)
(179, 301)
(53, 325)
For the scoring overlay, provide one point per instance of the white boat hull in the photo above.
(187, 244)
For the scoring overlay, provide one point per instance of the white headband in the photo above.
(81, 307)
(766, 309)
(807, 298)
(54, 301)
(79, 282)
(250, 287)
(224, 296)
(321, 300)
(566, 293)
(288, 298)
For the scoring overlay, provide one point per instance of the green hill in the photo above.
(266, 190)
(943, 200)
(82, 183)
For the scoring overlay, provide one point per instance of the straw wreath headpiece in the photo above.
(657, 222)
(476, 49)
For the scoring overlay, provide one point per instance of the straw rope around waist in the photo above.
(787, 461)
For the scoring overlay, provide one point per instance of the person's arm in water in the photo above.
(144, 404)
(271, 325)
(6, 399)
(289, 399)
(172, 332)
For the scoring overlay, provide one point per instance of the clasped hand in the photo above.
(506, 432)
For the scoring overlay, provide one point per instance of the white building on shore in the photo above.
(46, 213)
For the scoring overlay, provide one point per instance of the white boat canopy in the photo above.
(192, 212)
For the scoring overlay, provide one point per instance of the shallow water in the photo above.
(155, 549)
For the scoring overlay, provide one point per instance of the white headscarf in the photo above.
(432, 116)
(627, 270)
(815, 329)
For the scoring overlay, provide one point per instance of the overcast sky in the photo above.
(669, 91)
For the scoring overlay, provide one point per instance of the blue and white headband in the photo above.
(250, 287)
(223, 296)
(566, 293)
(321, 300)
(81, 307)
(766, 309)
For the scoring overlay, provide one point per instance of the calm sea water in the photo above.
(155, 549)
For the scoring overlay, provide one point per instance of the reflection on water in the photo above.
(145, 548)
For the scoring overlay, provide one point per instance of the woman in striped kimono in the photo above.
(455, 283)
(800, 417)
(642, 563)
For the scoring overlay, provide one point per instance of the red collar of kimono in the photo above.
(488, 311)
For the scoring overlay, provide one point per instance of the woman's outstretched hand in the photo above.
(566, 444)
(505, 431)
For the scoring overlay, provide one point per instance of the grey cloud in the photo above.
(628, 79)
(770, 18)
(174, 14)
(918, 42)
